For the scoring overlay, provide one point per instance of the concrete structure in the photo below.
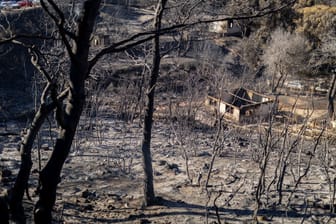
(306, 86)
(241, 105)
(100, 40)
(227, 28)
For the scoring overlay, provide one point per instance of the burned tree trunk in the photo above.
(4, 211)
(149, 194)
(21, 182)
(331, 98)
(50, 175)
(67, 118)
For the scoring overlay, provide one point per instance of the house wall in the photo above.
(107, 40)
(236, 114)
(218, 27)
(96, 41)
(229, 111)
(100, 40)
(256, 111)
(228, 28)
(258, 97)
(233, 27)
(222, 108)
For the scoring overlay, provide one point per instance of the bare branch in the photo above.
(140, 38)
(60, 24)
(27, 36)
(34, 60)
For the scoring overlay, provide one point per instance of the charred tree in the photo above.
(21, 182)
(68, 117)
(149, 194)
(331, 98)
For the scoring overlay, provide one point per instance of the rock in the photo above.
(126, 205)
(261, 219)
(89, 195)
(85, 193)
(203, 154)
(162, 162)
(174, 167)
(231, 179)
(206, 167)
(115, 197)
(156, 173)
(111, 207)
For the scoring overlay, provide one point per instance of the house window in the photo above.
(229, 109)
(212, 103)
(249, 112)
(96, 42)
(230, 23)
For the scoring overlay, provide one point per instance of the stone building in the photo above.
(241, 105)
